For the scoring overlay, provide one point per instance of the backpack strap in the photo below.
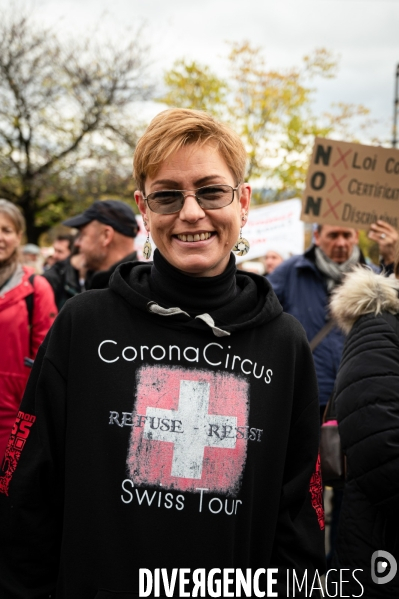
(29, 301)
(320, 335)
(329, 411)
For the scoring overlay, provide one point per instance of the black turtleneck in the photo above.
(171, 287)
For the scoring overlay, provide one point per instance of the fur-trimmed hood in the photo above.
(363, 292)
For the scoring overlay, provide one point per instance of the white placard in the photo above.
(274, 227)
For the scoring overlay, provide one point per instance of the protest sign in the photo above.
(273, 227)
(351, 185)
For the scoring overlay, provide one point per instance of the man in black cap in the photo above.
(106, 239)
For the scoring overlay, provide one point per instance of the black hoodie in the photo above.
(152, 438)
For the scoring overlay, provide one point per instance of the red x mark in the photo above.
(342, 158)
(331, 209)
(337, 183)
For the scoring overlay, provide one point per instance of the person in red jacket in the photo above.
(27, 310)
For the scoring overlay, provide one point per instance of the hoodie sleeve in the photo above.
(31, 483)
(298, 551)
(368, 408)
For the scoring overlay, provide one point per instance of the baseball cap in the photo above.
(114, 213)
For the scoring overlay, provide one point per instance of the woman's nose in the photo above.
(191, 210)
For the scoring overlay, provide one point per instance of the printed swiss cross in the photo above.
(189, 438)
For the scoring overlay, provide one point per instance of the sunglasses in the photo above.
(211, 197)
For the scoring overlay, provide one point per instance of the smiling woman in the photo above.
(190, 170)
(200, 391)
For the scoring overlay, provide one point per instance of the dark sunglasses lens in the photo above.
(215, 196)
(165, 202)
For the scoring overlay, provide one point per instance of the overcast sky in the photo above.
(363, 33)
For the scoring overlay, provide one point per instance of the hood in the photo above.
(254, 305)
(363, 292)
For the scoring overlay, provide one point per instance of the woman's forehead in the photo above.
(191, 161)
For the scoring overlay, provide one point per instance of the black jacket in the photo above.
(64, 279)
(367, 403)
(302, 291)
(157, 440)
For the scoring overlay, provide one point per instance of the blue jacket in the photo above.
(302, 292)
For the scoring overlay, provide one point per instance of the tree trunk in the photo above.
(28, 205)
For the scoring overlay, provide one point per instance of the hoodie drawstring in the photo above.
(206, 318)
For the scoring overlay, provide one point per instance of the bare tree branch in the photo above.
(59, 102)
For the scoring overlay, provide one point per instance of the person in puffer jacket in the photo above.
(366, 307)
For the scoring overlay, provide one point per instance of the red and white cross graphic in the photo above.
(195, 433)
(190, 429)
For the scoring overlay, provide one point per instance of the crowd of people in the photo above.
(172, 415)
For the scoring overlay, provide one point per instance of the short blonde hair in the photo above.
(174, 128)
(14, 214)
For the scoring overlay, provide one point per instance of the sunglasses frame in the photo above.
(193, 193)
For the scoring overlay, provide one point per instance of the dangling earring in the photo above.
(242, 245)
(147, 249)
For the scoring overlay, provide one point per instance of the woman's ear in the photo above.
(142, 206)
(245, 197)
